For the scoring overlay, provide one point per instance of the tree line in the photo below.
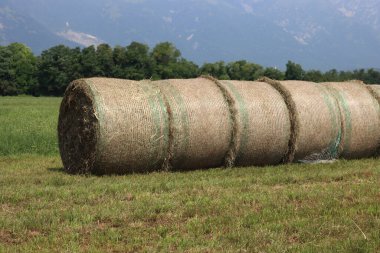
(21, 72)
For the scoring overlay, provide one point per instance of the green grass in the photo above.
(28, 125)
(289, 208)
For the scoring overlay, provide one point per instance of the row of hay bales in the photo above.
(118, 126)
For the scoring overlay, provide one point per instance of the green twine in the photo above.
(160, 115)
(244, 117)
(334, 144)
(182, 144)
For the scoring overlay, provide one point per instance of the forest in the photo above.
(48, 74)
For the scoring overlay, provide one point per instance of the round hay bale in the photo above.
(113, 126)
(374, 89)
(201, 124)
(263, 123)
(315, 118)
(360, 114)
(109, 126)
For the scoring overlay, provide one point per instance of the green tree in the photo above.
(165, 53)
(58, 66)
(165, 57)
(341, 76)
(273, 73)
(294, 71)
(89, 62)
(359, 74)
(243, 70)
(8, 88)
(217, 70)
(331, 76)
(132, 62)
(372, 77)
(184, 69)
(119, 60)
(104, 56)
(139, 64)
(17, 70)
(313, 76)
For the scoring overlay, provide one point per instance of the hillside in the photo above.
(322, 35)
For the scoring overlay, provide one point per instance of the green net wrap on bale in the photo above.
(263, 123)
(360, 113)
(200, 123)
(315, 120)
(113, 126)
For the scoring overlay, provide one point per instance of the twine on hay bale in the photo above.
(261, 112)
(114, 126)
(316, 122)
(200, 123)
(319, 127)
(294, 122)
(236, 127)
(168, 159)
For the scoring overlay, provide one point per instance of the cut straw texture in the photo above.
(201, 125)
(360, 113)
(113, 126)
(263, 121)
(317, 116)
(130, 123)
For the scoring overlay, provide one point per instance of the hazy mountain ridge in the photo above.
(328, 34)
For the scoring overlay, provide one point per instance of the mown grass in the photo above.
(289, 208)
(314, 208)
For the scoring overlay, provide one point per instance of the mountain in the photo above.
(321, 35)
(15, 27)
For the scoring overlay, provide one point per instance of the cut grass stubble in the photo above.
(312, 208)
(329, 207)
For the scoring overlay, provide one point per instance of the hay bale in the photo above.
(143, 126)
(263, 123)
(315, 120)
(229, 123)
(112, 126)
(360, 115)
(201, 124)
(78, 131)
(374, 89)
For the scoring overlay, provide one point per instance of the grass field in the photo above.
(289, 208)
(28, 125)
